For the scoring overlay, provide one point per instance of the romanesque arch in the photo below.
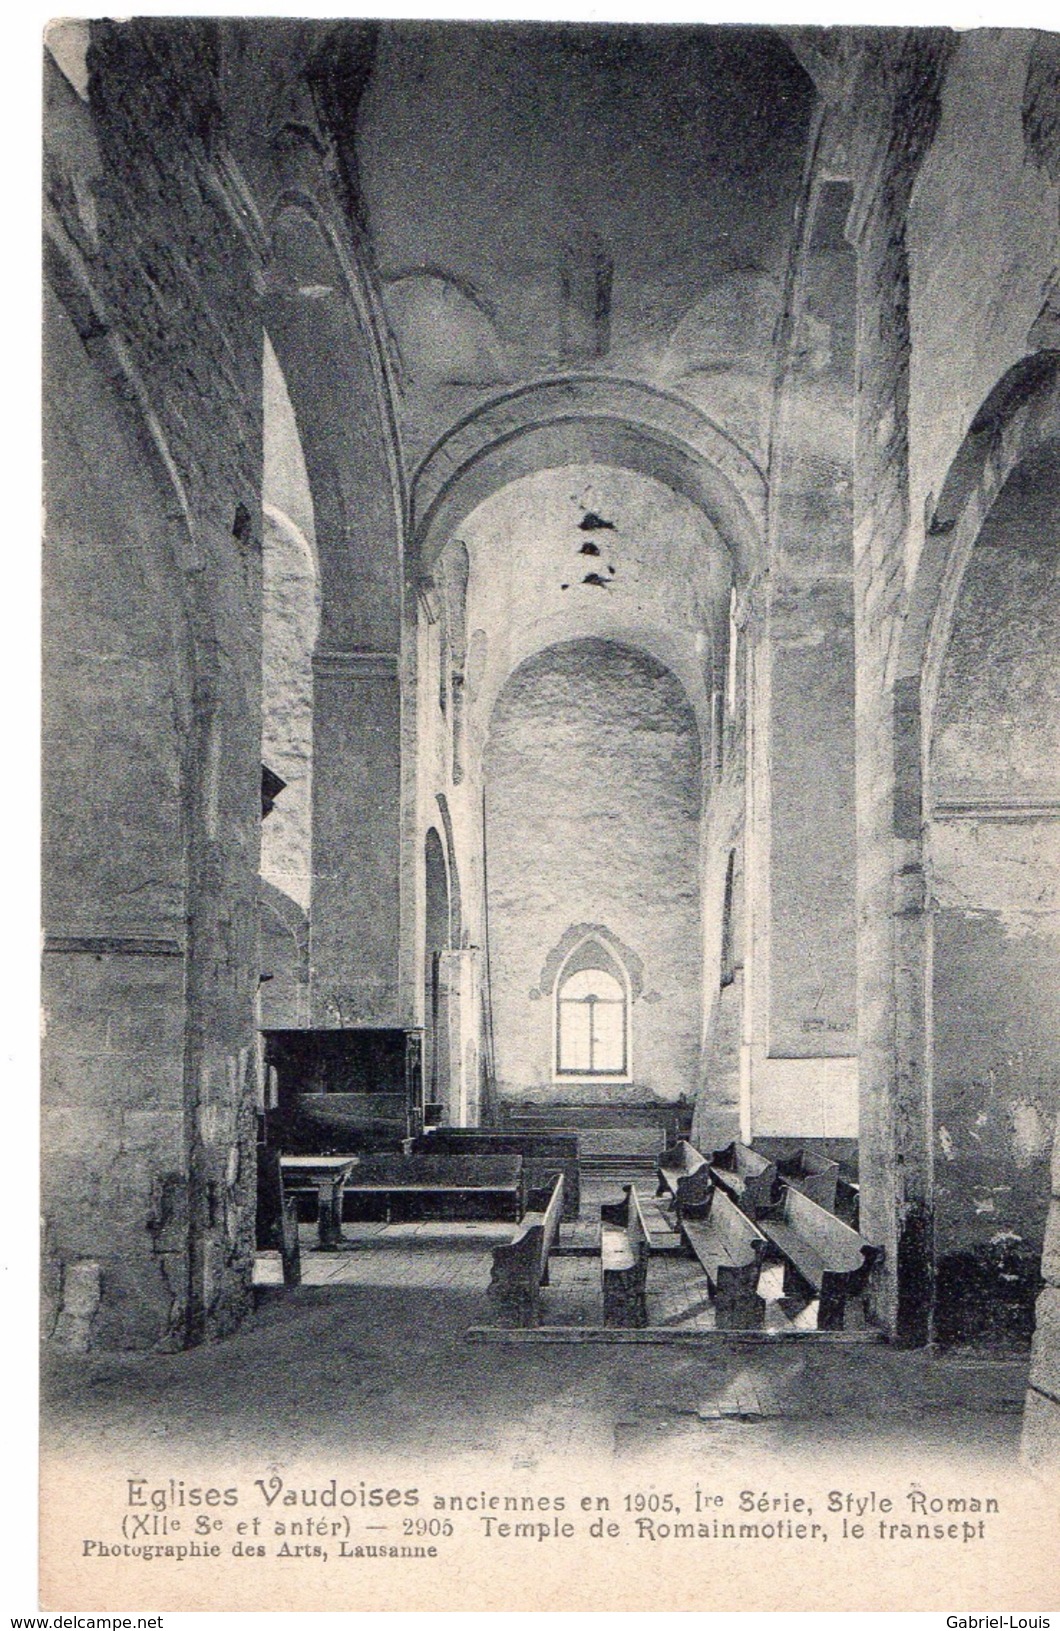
(172, 745)
(594, 807)
(331, 362)
(321, 325)
(591, 421)
(1017, 428)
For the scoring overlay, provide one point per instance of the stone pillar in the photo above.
(1040, 1448)
(460, 992)
(354, 942)
(901, 76)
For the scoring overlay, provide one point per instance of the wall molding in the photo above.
(1003, 808)
(355, 665)
(119, 945)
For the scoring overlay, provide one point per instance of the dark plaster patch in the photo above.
(986, 1294)
(586, 277)
(915, 1277)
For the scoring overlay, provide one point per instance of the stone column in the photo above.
(460, 991)
(1040, 1448)
(901, 77)
(355, 918)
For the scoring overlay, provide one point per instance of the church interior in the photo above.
(551, 727)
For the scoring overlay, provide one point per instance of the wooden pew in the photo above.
(544, 1153)
(824, 1255)
(729, 1247)
(684, 1174)
(673, 1120)
(816, 1175)
(520, 1265)
(624, 1248)
(455, 1185)
(276, 1221)
(749, 1178)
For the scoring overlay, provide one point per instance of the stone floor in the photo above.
(371, 1352)
(433, 1257)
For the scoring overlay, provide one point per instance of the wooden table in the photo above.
(328, 1175)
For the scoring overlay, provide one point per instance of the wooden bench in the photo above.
(454, 1185)
(824, 1255)
(276, 1220)
(748, 1177)
(624, 1248)
(520, 1265)
(684, 1174)
(544, 1154)
(673, 1120)
(729, 1247)
(815, 1175)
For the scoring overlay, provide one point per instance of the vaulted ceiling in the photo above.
(547, 199)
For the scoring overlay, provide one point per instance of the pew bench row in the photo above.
(543, 1152)
(520, 1265)
(755, 1181)
(735, 1206)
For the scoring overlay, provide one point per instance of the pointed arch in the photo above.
(591, 1015)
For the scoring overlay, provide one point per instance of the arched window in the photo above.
(592, 1015)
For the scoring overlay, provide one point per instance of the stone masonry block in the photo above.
(1045, 1355)
(1051, 1246)
(82, 1289)
(74, 1076)
(1040, 1447)
(158, 1132)
(114, 1004)
(125, 1191)
(137, 1308)
(83, 1137)
(72, 1332)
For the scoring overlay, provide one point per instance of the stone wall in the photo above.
(593, 777)
(995, 860)
(811, 685)
(897, 100)
(1041, 1420)
(935, 330)
(117, 716)
(152, 739)
(291, 619)
(982, 259)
